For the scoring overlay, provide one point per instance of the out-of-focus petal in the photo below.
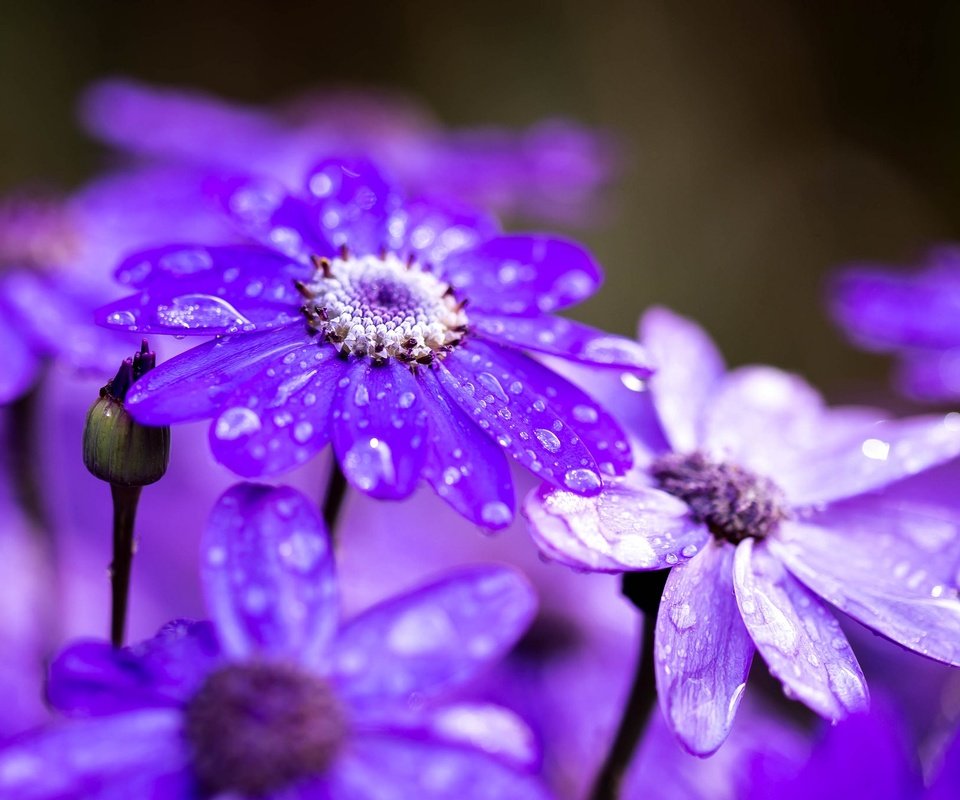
(267, 572)
(380, 429)
(565, 338)
(523, 421)
(796, 634)
(703, 651)
(463, 466)
(523, 274)
(192, 385)
(493, 729)
(433, 229)
(19, 368)
(687, 365)
(625, 527)
(436, 637)
(399, 768)
(893, 585)
(930, 375)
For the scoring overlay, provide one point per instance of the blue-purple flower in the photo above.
(555, 169)
(768, 505)
(277, 699)
(394, 329)
(915, 316)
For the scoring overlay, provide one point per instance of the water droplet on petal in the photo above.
(582, 480)
(236, 422)
(495, 513)
(548, 440)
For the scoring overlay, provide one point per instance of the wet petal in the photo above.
(703, 651)
(463, 466)
(430, 639)
(519, 415)
(796, 634)
(282, 418)
(869, 457)
(267, 573)
(760, 416)
(85, 760)
(192, 385)
(625, 527)
(435, 229)
(894, 571)
(493, 729)
(523, 274)
(564, 338)
(380, 429)
(687, 365)
(398, 768)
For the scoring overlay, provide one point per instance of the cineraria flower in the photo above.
(350, 321)
(554, 169)
(915, 316)
(768, 505)
(274, 699)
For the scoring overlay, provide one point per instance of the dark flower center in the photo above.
(383, 307)
(731, 501)
(257, 727)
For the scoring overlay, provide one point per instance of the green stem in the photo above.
(125, 501)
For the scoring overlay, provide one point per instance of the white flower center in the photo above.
(383, 307)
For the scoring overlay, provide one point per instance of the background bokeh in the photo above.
(766, 140)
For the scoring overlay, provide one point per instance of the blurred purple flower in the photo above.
(554, 169)
(276, 697)
(915, 316)
(767, 504)
(350, 322)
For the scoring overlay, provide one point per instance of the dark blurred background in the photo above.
(768, 139)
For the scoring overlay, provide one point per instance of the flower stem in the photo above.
(125, 500)
(644, 590)
(333, 497)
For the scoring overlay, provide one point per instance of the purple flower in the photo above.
(350, 322)
(554, 169)
(766, 503)
(275, 698)
(915, 316)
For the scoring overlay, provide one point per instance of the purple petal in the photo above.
(434, 229)
(760, 416)
(523, 274)
(891, 570)
(687, 365)
(796, 634)
(883, 309)
(380, 429)
(192, 385)
(484, 382)
(180, 656)
(280, 419)
(268, 574)
(868, 457)
(85, 760)
(352, 203)
(19, 368)
(932, 376)
(625, 527)
(703, 651)
(565, 338)
(483, 726)
(467, 470)
(400, 768)
(430, 639)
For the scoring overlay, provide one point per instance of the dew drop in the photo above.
(236, 422)
(548, 440)
(582, 480)
(586, 414)
(302, 431)
(495, 513)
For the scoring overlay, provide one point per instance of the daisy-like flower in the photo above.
(769, 506)
(396, 330)
(555, 169)
(276, 699)
(915, 316)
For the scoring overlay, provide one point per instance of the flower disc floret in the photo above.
(734, 503)
(257, 727)
(383, 307)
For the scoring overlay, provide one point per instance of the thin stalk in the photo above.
(333, 497)
(125, 501)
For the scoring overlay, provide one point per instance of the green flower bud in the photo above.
(116, 448)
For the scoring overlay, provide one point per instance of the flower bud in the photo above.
(116, 448)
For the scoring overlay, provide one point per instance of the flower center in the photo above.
(731, 501)
(383, 307)
(257, 727)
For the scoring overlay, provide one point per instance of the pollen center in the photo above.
(383, 307)
(255, 728)
(734, 503)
